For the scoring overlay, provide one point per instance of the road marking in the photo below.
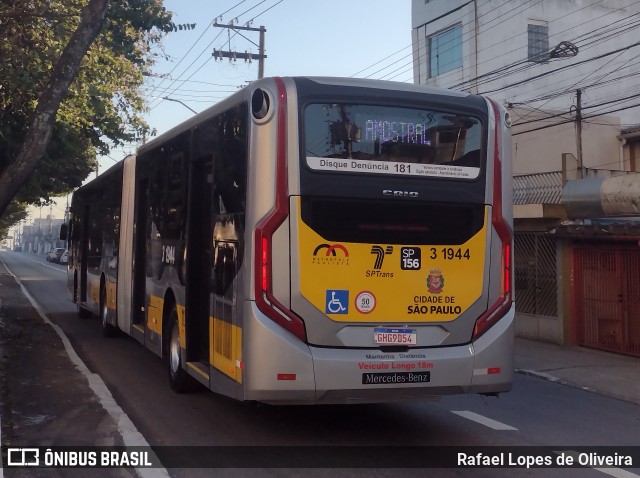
(46, 265)
(130, 434)
(615, 472)
(482, 420)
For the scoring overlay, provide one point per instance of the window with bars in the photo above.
(536, 275)
(538, 42)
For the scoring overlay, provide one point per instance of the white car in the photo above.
(64, 257)
(55, 254)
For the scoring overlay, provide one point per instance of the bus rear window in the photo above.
(392, 222)
(391, 140)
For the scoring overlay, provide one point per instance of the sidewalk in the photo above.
(609, 374)
(45, 400)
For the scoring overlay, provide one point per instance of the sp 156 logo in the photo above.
(410, 258)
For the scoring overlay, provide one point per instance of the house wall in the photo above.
(541, 150)
(631, 154)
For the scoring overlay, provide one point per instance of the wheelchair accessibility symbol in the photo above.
(337, 302)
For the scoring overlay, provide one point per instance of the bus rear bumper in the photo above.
(283, 370)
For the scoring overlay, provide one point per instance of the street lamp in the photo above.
(178, 101)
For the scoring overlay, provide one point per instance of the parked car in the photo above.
(64, 257)
(54, 254)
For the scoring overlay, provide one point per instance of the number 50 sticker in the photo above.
(365, 302)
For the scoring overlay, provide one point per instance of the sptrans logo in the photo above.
(380, 253)
(331, 254)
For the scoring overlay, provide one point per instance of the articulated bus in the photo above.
(309, 241)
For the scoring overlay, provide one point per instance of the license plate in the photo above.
(394, 336)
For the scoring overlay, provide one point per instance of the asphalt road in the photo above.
(535, 413)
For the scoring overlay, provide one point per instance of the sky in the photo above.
(303, 37)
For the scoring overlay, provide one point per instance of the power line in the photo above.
(197, 40)
(598, 57)
(474, 33)
(493, 58)
(380, 61)
(583, 79)
(566, 90)
(209, 46)
(584, 117)
(573, 40)
(164, 92)
(563, 91)
(577, 40)
(471, 35)
(442, 16)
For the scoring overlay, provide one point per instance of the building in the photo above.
(567, 70)
(41, 236)
(534, 56)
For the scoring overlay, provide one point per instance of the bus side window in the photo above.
(224, 268)
(75, 229)
(230, 163)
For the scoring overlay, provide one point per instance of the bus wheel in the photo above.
(108, 330)
(83, 313)
(179, 379)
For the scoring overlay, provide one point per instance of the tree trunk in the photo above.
(43, 119)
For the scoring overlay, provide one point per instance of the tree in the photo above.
(69, 86)
(12, 215)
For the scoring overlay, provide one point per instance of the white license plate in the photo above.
(394, 336)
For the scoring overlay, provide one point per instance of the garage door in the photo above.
(606, 296)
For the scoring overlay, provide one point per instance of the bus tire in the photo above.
(179, 379)
(108, 330)
(83, 313)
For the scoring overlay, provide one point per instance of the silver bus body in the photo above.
(280, 308)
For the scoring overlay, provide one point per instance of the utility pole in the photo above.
(261, 55)
(246, 56)
(579, 132)
(476, 30)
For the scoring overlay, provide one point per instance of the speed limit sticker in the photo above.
(365, 302)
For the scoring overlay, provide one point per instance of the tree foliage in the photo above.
(14, 213)
(103, 105)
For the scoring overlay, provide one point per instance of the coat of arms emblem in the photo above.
(435, 281)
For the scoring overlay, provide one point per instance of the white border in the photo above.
(392, 168)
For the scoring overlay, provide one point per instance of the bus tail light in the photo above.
(265, 264)
(502, 305)
(265, 301)
(507, 269)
